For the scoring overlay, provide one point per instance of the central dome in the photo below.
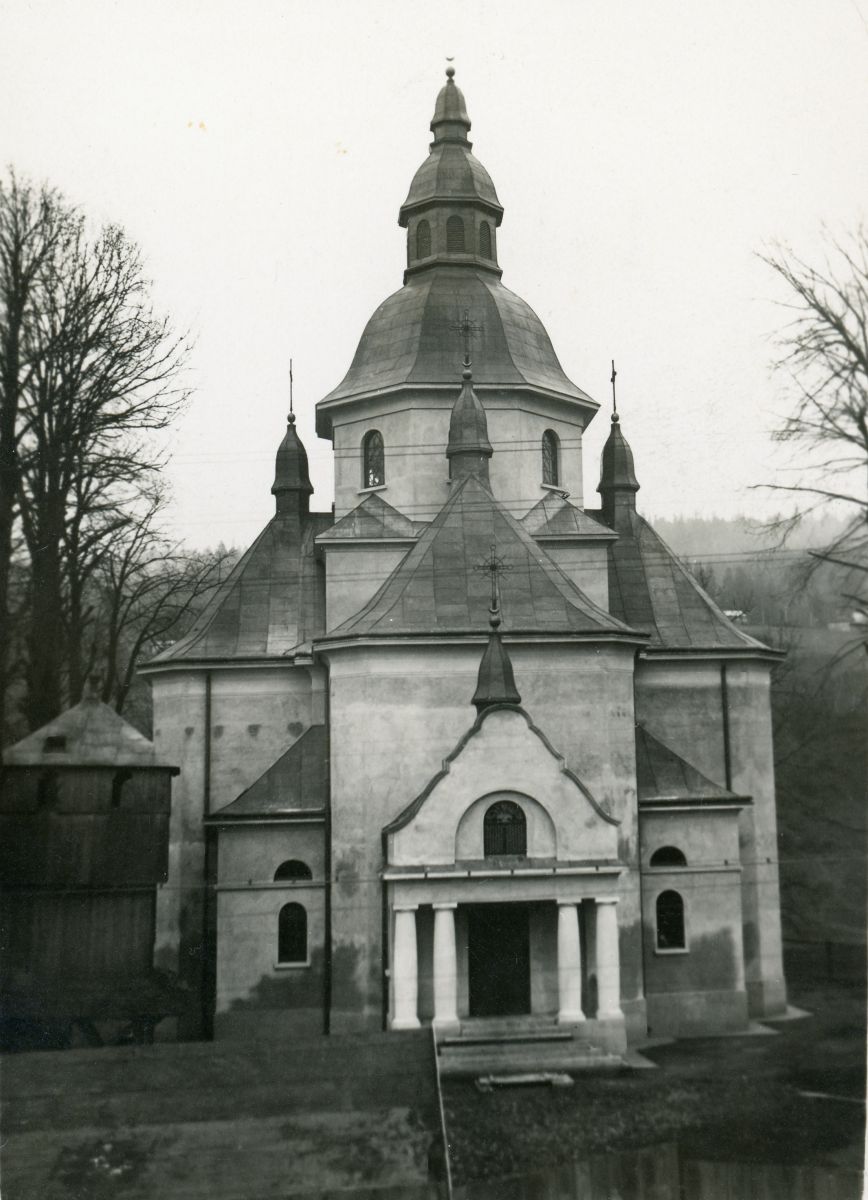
(452, 215)
(413, 339)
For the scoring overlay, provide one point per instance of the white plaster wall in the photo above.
(504, 756)
(353, 575)
(397, 712)
(415, 429)
(704, 837)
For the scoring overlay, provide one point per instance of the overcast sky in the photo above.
(643, 153)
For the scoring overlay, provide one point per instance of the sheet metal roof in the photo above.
(374, 518)
(296, 782)
(437, 588)
(554, 516)
(650, 590)
(272, 602)
(407, 340)
(663, 775)
(89, 734)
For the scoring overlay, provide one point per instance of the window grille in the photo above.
(373, 460)
(455, 235)
(550, 464)
(485, 240)
(504, 830)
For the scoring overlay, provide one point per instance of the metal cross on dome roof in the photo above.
(467, 329)
(495, 566)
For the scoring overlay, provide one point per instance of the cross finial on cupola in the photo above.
(496, 682)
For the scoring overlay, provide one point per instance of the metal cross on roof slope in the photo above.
(467, 329)
(495, 566)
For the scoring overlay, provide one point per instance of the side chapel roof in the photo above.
(272, 602)
(437, 589)
(650, 590)
(663, 776)
(296, 782)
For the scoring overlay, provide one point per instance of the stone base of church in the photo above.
(635, 1019)
(694, 1014)
(767, 997)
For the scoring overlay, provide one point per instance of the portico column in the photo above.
(608, 959)
(445, 966)
(569, 966)
(405, 971)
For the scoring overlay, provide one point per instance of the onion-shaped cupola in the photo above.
(451, 212)
(618, 483)
(292, 487)
(468, 449)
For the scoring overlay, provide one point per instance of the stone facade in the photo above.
(352, 846)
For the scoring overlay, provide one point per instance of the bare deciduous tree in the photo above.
(90, 374)
(824, 351)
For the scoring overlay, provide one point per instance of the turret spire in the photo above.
(618, 483)
(450, 122)
(496, 682)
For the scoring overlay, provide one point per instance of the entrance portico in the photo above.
(530, 944)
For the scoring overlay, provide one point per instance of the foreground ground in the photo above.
(795, 1096)
(327, 1118)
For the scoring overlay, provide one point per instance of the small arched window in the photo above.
(292, 934)
(373, 460)
(47, 789)
(423, 240)
(119, 781)
(550, 454)
(504, 830)
(670, 921)
(455, 235)
(668, 856)
(485, 240)
(292, 869)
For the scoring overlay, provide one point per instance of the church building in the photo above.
(473, 749)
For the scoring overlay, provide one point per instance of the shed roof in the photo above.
(436, 588)
(272, 602)
(89, 734)
(296, 782)
(662, 775)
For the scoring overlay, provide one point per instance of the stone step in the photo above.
(509, 1058)
(516, 1036)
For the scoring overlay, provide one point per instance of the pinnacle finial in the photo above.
(450, 71)
(615, 417)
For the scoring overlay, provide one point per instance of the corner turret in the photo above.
(292, 488)
(618, 483)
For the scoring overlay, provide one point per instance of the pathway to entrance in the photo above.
(354, 1116)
